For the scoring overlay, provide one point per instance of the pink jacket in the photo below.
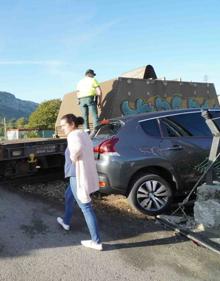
(81, 153)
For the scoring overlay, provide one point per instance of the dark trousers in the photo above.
(88, 105)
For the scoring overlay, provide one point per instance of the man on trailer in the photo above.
(89, 95)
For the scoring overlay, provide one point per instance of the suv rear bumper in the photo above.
(106, 188)
(114, 174)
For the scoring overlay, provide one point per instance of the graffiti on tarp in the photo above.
(176, 102)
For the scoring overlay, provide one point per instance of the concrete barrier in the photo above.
(207, 205)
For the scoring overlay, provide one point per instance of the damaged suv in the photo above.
(151, 157)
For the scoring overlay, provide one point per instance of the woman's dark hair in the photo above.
(71, 118)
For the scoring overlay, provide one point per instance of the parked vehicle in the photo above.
(153, 156)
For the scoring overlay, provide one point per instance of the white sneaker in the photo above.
(65, 226)
(92, 244)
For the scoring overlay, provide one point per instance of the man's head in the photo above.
(90, 73)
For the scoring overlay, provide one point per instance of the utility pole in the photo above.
(5, 128)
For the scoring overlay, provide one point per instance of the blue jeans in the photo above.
(88, 105)
(89, 215)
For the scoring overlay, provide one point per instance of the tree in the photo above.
(1, 131)
(21, 122)
(45, 115)
(11, 124)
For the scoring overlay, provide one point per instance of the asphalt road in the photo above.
(33, 247)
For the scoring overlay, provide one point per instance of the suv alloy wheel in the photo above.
(150, 194)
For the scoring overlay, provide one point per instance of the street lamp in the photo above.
(5, 128)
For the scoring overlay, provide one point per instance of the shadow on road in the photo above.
(154, 242)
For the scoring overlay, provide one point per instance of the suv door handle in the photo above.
(174, 147)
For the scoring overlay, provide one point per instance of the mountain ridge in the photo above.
(14, 108)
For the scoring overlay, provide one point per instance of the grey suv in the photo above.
(150, 157)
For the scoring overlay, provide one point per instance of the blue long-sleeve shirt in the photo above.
(69, 167)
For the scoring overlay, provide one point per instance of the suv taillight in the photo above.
(106, 146)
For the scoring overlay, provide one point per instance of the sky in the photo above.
(47, 45)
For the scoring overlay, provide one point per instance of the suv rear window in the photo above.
(151, 127)
(107, 130)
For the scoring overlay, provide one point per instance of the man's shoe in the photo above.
(64, 226)
(92, 244)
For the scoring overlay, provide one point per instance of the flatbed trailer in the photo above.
(27, 156)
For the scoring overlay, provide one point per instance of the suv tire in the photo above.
(150, 194)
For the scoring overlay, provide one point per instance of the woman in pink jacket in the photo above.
(80, 167)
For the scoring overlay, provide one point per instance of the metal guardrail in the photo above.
(213, 155)
(195, 237)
